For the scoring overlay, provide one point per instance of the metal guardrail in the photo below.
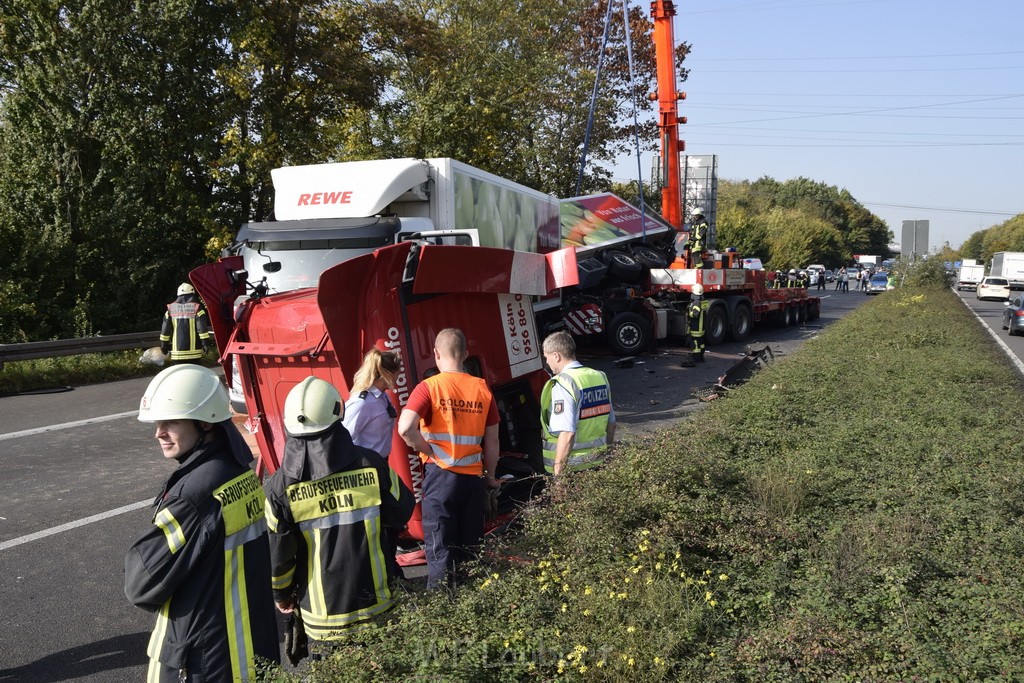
(74, 347)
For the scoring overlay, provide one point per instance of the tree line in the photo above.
(135, 138)
(1006, 236)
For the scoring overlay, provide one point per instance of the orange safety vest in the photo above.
(458, 419)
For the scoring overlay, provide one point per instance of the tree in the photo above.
(502, 86)
(105, 154)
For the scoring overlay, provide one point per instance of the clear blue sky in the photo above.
(914, 106)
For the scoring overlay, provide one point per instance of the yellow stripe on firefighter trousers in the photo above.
(236, 611)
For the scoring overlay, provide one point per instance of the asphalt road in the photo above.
(75, 494)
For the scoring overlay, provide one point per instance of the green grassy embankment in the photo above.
(852, 513)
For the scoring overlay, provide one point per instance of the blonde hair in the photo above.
(376, 364)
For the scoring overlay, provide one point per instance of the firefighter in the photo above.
(780, 278)
(696, 312)
(327, 508)
(698, 238)
(204, 563)
(576, 410)
(451, 419)
(792, 280)
(801, 280)
(185, 333)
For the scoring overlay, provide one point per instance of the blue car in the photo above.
(1013, 316)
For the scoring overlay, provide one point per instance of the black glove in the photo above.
(296, 644)
(165, 348)
(207, 345)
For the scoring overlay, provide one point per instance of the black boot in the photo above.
(699, 357)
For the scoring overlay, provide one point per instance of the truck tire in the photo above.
(649, 256)
(742, 323)
(813, 311)
(716, 324)
(801, 313)
(622, 265)
(629, 333)
(788, 316)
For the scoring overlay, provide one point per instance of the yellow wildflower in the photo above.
(723, 577)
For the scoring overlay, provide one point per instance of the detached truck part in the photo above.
(396, 298)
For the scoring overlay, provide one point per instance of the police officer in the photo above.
(576, 410)
(698, 237)
(369, 414)
(185, 332)
(327, 507)
(204, 563)
(695, 312)
(451, 419)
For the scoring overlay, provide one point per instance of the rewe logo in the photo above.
(323, 198)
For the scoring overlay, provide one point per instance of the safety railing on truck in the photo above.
(74, 347)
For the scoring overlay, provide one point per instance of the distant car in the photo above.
(1013, 316)
(752, 264)
(830, 276)
(878, 283)
(994, 288)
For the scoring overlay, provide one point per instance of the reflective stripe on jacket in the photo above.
(204, 567)
(185, 328)
(592, 396)
(459, 404)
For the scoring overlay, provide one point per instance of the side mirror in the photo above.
(272, 267)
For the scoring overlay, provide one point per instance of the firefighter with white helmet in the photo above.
(185, 333)
(696, 312)
(204, 563)
(327, 506)
(792, 280)
(698, 237)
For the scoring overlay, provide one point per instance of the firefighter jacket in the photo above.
(696, 312)
(327, 507)
(186, 328)
(593, 408)
(698, 235)
(204, 568)
(458, 420)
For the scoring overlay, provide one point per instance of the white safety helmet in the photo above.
(185, 392)
(698, 289)
(311, 407)
(792, 271)
(696, 211)
(186, 288)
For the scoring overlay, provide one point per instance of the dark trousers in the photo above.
(453, 521)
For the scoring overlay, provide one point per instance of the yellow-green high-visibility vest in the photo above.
(590, 389)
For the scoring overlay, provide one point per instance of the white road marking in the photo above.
(74, 525)
(68, 425)
(995, 335)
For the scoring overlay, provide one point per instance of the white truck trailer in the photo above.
(1008, 264)
(969, 276)
(325, 214)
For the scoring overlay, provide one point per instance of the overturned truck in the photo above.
(396, 298)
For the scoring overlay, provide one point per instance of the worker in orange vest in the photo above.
(451, 419)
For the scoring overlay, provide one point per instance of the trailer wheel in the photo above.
(801, 313)
(629, 334)
(742, 323)
(813, 311)
(649, 256)
(787, 316)
(622, 265)
(716, 323)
